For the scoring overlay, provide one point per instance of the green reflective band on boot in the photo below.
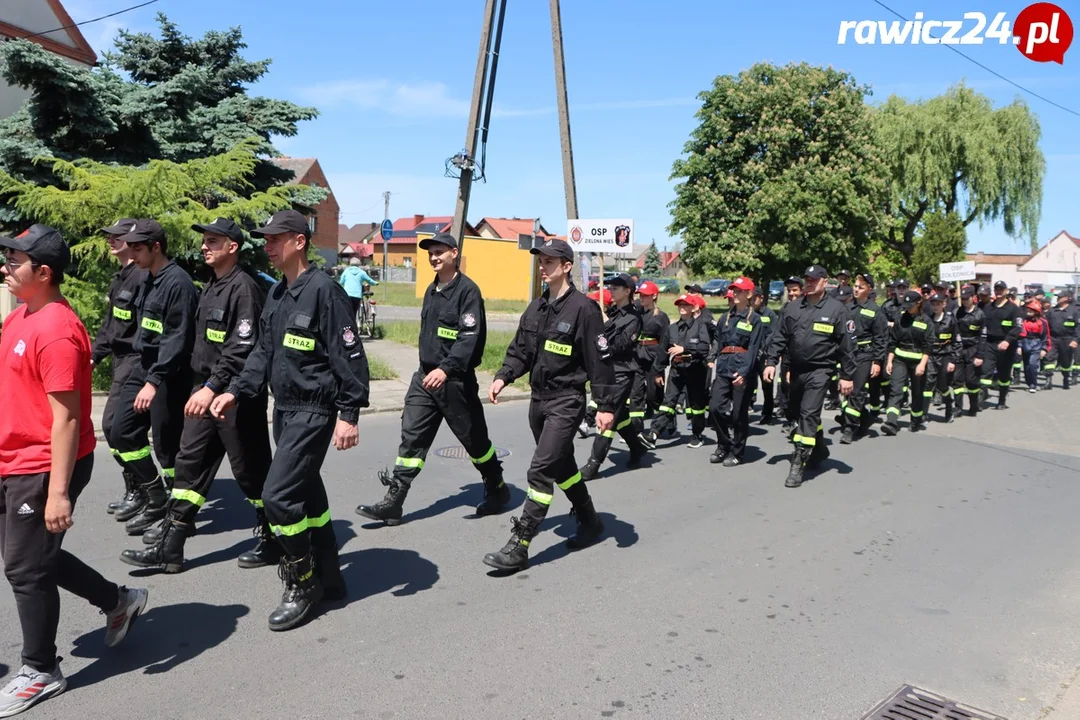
(298, 343)
(916, 414)
(637, 414)
(135, 454)
(986, 381)
(409, 462)
(447, 333)
(808, 440)
(558, 348)
(188, 496)
(153, 325)
(695, 411)
(852, 411)
(666, 409)
(567, 484)
(318, 522)
(539, 497)
(908, 354)
(744, 326)
(485, 457)
(892, 411)
(168, 472)
(255, 503)
(1004, 383)
(121, 313)
(215, 336)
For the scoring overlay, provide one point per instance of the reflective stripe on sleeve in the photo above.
(188, 496)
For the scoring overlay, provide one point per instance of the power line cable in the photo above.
(92, 20)
(989, 70)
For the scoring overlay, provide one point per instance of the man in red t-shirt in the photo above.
(46, 458)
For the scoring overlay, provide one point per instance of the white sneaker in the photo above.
(119, 621)
(1031, 390)
(696, 442)
(28, 688)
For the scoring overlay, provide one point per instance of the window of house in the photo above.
(311, 224)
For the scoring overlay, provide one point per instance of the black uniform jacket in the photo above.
(308, 350)
(453, 327)
(652, 333)
(166, 333)
(871, 330)
(226, 328)
(814, 336)
(971, 325)
(735, 330)
(1063, 322)
(945, 338)
(116, 336)
(561, 343)
(621, 330)
(694, 335)
(1002, 322)
(911, 337)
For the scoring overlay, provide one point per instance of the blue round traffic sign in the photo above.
(387, 230)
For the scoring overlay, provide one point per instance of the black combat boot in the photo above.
(798, 465)
(303, 591)
(974, 405)
(267, 550)
(152, 535)
(129, 488)
(167, 554)
(157, 500)
(637, 452)
(389, 508)
(590, 470)
(847, 435)
(1002, 405)
(948, 410)
(514, 555)
(984, 398)
(496, 497)
(134, 504)
(328, 563)
(819, 453)
(589, 526)
(718, 457)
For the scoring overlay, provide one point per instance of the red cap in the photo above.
(743, 283)
(596, 293)
(690, 300)
(1035, 305)
(648, 288)
(729, 294)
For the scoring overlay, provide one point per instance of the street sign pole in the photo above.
(387, 232)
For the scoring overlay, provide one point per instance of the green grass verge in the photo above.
(404, 295)
(407, 332)
(379, 370)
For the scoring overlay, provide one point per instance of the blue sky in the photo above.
(392, 80)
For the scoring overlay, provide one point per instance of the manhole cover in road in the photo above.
(912, 703)
(456, 452)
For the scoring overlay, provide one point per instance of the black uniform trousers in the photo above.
(939, 380)
(783, 391)
(1063, 360)
(651, 393)
(729, 411)
(966, 377)
(165, 419)
(693, 380)
(122, 367)
(997, 368)
(903, 377)
(554, 422)
(808, 389)
(755, 380)
(36, 565)
(458, 402)
(629, 418)
(855, 413)
(879, 392)
(243, 435)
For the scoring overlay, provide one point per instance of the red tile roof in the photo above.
(666, 258)
(405, 229)
(999, 258)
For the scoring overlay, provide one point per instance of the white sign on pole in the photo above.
(951, 272)
(609, 237)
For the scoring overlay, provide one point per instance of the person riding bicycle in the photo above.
(353, 280)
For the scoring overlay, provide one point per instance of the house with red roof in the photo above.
(401, 248)
(670, 262)
(323, 218)
(1054, 265)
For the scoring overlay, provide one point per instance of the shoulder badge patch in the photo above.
(601, 342)
(468, 320)
(244, 328)
(348, 337)
(851, 326)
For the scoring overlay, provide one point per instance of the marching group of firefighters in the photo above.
(195, 370)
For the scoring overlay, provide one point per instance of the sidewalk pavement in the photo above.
(384, 396)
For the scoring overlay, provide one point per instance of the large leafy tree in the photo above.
(942, 240)
(956, 153)
(782, 171)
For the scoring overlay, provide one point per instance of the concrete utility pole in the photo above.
(472, 133)
(385, 242)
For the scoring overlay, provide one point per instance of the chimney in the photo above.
(417, 219)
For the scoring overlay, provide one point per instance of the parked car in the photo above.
(776, 290)
(715, 288)
(664, 285)
(594, 279)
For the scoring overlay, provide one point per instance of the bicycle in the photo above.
(365, 315)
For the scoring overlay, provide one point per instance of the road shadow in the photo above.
(621, 531)
(160, 640)
(757, 430)
(468, 496)
(4, 670)
(226, 510)
(618, 466)
(752, 454)
(374, 571)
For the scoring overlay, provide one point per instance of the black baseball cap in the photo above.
(284, 221)
(900, 283)
(145, 231)
(693, 287)
(867, 277)
(443, 238)
(910, 299)
(927, 288)
(967, 292)
(1001, 285)
(939, 297)
(622, 280)
(793, 281)
(121, 227)
(984, 289)
(940, 285)
(43, 245)
(843, 292)
(816, 272)
(222, 226)
(1012, 291)
(553, 247)
(846, 273)
(1065, 293)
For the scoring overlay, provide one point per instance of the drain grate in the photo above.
(457, 452)
(912, 703)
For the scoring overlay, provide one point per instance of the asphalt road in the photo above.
(946, 562)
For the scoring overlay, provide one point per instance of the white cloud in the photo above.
(360, 195)
(405, 99)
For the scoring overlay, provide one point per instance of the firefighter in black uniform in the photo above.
(879, 396)
(971, 326)
(767, 315)
(561, 343)
(944, 353)
(845, 294)
(739, 334)
(686, 349)
(226, 331)
(313, 360)
(793, 286)
(621, 330)
(811, 335)
(154, 395)
(871, 345)
(909, 353)
(1063, 319)
(453, 333)
(653, 324)
(116, 336)
(1002, 336)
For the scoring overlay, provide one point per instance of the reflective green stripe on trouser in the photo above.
(165, 418)
(457, 402)
(806, 398)
(629, 422)
(938, 379)
(997, 368)
(294, 497)
(903, 374)
(856, 406)
(554, 423)
(694, 380)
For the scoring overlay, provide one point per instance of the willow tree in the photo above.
(781, 172)
(956, 153)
